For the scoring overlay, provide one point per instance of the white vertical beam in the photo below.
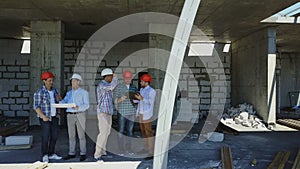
(182, 34)
(271, 75)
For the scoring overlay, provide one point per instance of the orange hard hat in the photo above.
(46, 75)
(127, 74)
(146, 78)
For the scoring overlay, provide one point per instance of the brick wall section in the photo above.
(14, 75)
(198, 73)
(115, 59)
(194, 80)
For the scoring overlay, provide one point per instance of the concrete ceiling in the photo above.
(221, 20)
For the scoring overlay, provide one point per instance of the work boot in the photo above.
(82, 157)
(69, 157)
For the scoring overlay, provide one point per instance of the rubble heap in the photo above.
(244, 115)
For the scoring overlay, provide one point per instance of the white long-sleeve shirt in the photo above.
(146, 105)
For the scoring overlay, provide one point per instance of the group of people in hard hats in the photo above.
(129, 102)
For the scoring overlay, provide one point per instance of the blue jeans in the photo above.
(49, 135)
(128, 122)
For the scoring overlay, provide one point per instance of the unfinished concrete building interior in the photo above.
(236, 102)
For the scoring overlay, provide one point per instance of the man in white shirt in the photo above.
(76, 117)
(146, 99)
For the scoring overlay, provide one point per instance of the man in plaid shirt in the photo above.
(48, 116)
(127, 109)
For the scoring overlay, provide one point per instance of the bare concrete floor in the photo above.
(187, 154)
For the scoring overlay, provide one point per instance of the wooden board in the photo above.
(15, 147)
(296, 164)
(293, 123)
(279, 160)
(226, 158)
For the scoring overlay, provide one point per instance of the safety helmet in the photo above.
(127, 74)
(76, 76)
(146, 78)
(46, 75)
(106, 71)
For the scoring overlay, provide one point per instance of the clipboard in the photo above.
(131, 95)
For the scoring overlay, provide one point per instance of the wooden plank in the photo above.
(15, 147)
(292, 123)
(13, 127)
(279, 160)
(226, 158)
(296, 164)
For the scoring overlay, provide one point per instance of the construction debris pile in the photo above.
(244, 115)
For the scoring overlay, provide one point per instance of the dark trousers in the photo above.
(49, 135)
(128, 122)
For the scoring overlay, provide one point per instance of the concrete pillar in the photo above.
(158, 59)
(46, 54)
(271, 75)
(253, 72)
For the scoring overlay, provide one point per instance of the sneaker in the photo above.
(69, 157)
(131, 154)
(54, 157)
(45, 159)
(99, 159)
(121, 154)
(82, 157)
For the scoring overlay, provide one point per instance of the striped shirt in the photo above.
(80, 97)
(104, 93)
(41, 99)
(126, 107)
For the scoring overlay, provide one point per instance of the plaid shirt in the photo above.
(41, 99)
(126, 107)
(104, 93)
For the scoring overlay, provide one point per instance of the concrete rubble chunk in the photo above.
(215, 136)
(244, 115)
(18, 140)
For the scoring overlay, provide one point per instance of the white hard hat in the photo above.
(106, 71)
(76, 76)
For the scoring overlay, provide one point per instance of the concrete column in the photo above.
(253, 72)
(158, 60)
(271, 75)
(46, 55)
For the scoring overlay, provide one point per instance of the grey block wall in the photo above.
(196, 76)
(115, 59)
(14, 79)
(194, 80)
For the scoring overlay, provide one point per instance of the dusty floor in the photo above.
(187, 154)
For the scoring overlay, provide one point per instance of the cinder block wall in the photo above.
(15, 72)
(14, 79)
(195, 82)
(114, 59)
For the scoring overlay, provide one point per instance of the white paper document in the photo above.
(65, 105)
